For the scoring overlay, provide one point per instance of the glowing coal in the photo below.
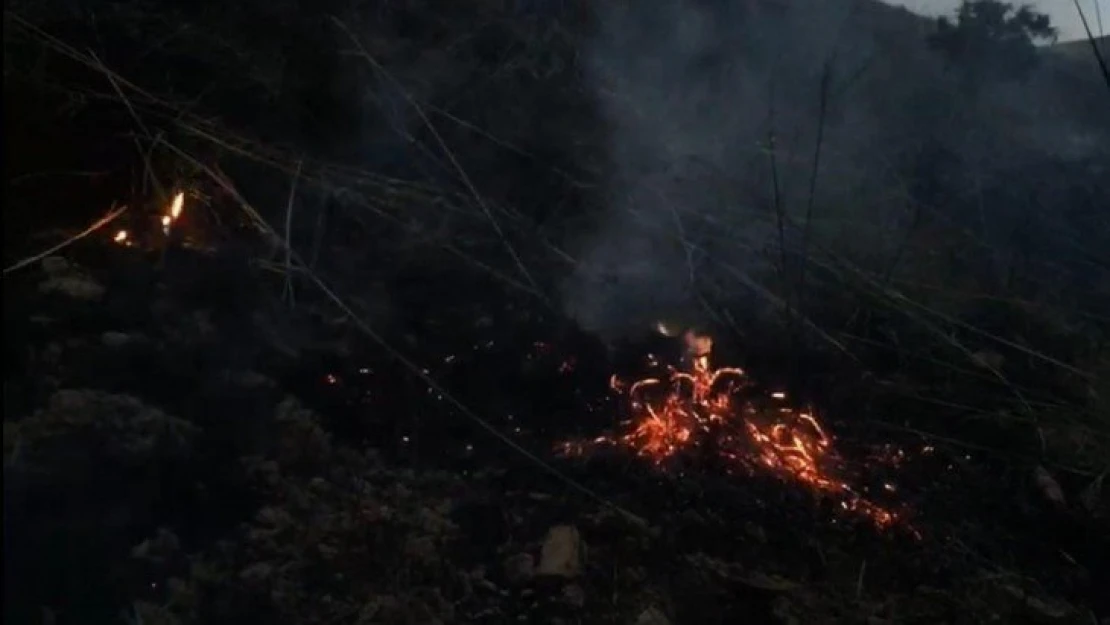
(697, 407)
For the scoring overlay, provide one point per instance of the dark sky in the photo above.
(1063, 13)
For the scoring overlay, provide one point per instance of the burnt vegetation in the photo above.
(338, 344)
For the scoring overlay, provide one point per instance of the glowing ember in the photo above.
(670, 414)
(122, 238)
(700, 407)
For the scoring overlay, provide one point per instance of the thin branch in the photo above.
(1094, 46)
(826, 79)
(447, 152)
(97, 225)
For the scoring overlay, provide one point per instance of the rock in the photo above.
(159, 548)
(88, 429)
(1048, 487)
(66, 279)
(1092, 496)
(755, 532)
(252, 380)
(520, 569)
(55, 266)
(562, 553)
(421, 550)
(75, 286)
(989, 360)
(149, 613)
(768, 583)
(652, 616)
(1035, 609)
(115, 339)
(574, 596)
(1049, 611)
(690, 517)
(257, 572)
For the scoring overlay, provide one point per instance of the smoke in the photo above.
(691, 92)
(702, 98)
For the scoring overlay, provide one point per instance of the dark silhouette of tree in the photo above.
(991, 40)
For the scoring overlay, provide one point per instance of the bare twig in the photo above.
(97, 225)
(992, 451)
(288, 290)
(144, 154)
(463, 176)
(421, 372)
(826, 80)
(115, 86)
(1094, 47)
(780, 217)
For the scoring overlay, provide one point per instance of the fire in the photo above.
(177, 205)
(175, 209)
(692, 401)
(164, 218)
(701, 409)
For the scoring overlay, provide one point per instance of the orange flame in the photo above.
(177, 206)
(174, 212)
(700, 406)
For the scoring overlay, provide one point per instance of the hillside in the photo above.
(1080, 50)
(569, 313)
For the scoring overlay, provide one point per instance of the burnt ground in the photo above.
(185, 442)
(182, 446)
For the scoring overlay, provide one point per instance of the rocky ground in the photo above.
(180, 446)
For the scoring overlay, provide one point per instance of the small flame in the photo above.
(123, 237)
(174, 213)
(177, 206)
